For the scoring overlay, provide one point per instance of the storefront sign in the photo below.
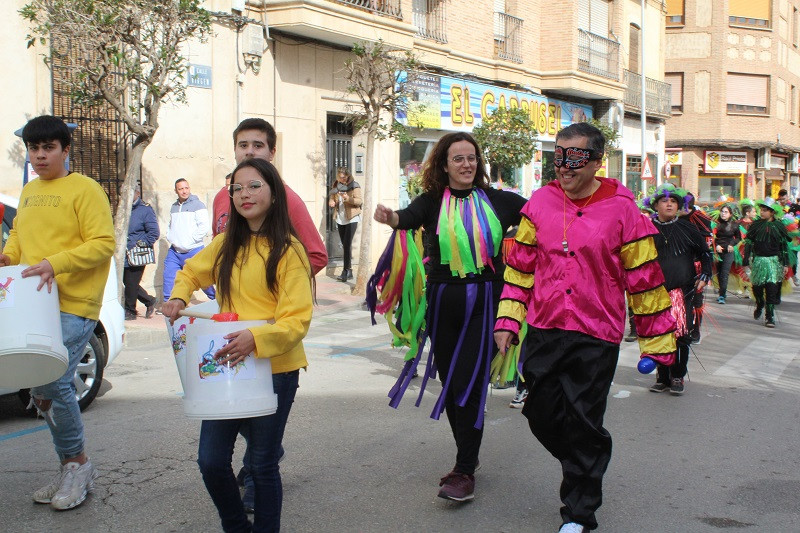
(718, 162)
(444, 103)
(675, 157)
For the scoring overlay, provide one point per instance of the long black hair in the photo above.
(277, 229)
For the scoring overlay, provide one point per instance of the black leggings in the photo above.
(346, 233)
(450, 321)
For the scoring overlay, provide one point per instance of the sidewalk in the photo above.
(333, 297)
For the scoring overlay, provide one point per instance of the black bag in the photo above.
(141, 254)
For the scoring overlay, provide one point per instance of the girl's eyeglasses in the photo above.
(253, 188)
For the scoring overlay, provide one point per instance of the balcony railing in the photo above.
(658, 95)
(598, 55)
(429, 19)
(389, 8)
(508, 36)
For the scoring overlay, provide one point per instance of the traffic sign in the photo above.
(647, 174)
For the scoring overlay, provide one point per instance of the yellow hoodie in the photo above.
(68, 222)
(290, 308)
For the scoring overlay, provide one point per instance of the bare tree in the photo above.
(130, 54)
(382, 78)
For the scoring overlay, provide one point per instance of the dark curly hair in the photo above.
(434, 175)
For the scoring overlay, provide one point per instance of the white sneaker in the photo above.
(571, 527)
(519, 399)
(46, 493)
(77, 482)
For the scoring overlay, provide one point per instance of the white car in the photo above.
(107, 340)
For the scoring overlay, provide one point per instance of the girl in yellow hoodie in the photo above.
(262, 272)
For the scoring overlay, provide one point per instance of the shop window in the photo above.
(747, 93)
(675, 13)
(710, 190)
(675, 79)
(754, 13)
(412, 155)
(674, 175)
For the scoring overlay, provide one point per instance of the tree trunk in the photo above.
(365, 249)
(125, 202)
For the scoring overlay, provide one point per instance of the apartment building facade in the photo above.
(734, 68)
(283, 60)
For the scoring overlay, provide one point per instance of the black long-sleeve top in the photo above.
(727, 234)
(680, 244)
(767, 239)
(424, 212)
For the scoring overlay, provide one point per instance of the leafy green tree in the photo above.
(130, 54)
(508, 139)
(382, 79)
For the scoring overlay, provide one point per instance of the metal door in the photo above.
(338, 148)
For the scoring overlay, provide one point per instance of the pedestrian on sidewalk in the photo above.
(188, 227)
(587, 243)
(63, 229)
(680, 244)
(262, 272)
(143, 232)
(464, 221)
(767, 249)
(345, 197)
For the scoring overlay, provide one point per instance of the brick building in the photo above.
(734, 68)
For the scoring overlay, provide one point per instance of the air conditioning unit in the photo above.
(794, 163)
(237, 6)
(763, 158)
(253, 41)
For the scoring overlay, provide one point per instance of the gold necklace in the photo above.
(566, 226)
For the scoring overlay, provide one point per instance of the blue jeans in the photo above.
(67, 431)
(174, 262)
(217, 439)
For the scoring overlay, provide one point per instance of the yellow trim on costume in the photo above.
(512, 309)
(662, 344)
(515, 277)
(650, 302)
(526, 233)
(637, 253)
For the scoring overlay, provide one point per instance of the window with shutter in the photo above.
(675, 13)
(750, 13)
(675, 79)
(633, 47)
(583, 15)
(598, 23)
(747, 93)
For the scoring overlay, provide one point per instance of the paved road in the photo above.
(723, 456)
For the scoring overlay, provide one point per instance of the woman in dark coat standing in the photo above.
(142, 231)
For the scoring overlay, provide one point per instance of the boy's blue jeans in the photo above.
(174, 262)
(217, 439)
(67, 426)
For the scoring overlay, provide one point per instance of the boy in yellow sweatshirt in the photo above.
(63, 229)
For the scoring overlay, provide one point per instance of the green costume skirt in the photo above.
(765, 270)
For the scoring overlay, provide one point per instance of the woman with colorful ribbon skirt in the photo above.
(680, 245)
(767, 249)
(464, 221)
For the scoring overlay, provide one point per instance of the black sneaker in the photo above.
(695, 336)
(770, 322)
(676, 387)
(150, 310)
(659, 387)
(631, 336)
(130, 315)
(757, 312)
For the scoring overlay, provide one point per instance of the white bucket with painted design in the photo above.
(214, 392)
(32, 351)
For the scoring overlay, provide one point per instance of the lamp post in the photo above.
(643, 100)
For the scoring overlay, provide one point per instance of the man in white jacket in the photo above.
(188, 226)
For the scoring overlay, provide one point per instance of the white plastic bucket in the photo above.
(178, 335)
(212, 392)
(32, 351)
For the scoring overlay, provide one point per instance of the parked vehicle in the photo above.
(103, 346)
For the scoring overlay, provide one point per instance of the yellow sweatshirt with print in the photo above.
(290, 307)
(68, 222)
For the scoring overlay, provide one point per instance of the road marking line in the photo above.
(762, 359)
(22, 433)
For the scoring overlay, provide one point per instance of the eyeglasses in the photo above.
(573, 158)
(253, 188)
(471, 159)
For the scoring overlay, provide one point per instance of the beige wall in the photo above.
(705, 50)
